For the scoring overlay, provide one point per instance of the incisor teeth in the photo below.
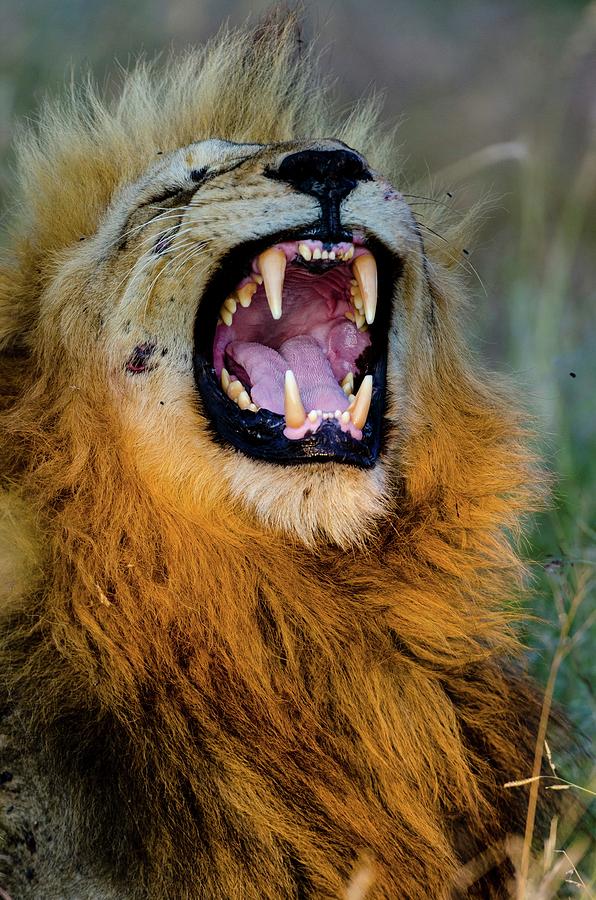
(230, 304)
(225, 379)
(361, 405)
(305, 252)
(293, 408)
(272, 264)
(245, 294)
(365, 272)
(226, 316)
(345, 417)
(324, 254)
(359, 319)
(316, 254)
(313, 415)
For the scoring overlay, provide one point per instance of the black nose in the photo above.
(326, 174)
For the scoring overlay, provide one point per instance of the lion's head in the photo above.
(227, 274)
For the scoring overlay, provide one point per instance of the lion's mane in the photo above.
(226, 712)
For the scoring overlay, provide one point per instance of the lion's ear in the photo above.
(14, 315)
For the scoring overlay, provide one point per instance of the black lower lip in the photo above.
(260, 435)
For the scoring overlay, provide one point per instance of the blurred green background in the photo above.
(494, 98)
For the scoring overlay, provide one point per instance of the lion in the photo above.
(260, 507)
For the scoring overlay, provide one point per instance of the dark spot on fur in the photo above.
(30, 842)
(172, 299)
(29, 873)
(573, 375)
(5, 777)
(10, 808)
(81, 238)
(159, 153)
(465, 252)
(449, 194)
(138, 361)
(198, 174)
(162, 403)
(164, 351)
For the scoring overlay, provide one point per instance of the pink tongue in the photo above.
(266, 369)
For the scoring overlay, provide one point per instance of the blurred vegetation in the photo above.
(494, 97)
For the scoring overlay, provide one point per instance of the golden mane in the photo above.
(289, 706)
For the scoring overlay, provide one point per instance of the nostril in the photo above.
(323, 173)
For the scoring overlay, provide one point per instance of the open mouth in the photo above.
(291, 346)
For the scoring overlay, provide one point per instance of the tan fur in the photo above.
(242, 676)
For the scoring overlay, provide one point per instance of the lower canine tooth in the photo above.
(272, 264)
(361, 405)
(365, 272)
(293, 408)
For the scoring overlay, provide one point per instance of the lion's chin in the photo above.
(322, 502)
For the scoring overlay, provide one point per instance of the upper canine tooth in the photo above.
(245, 294)
(361, 404)
(293, 408)
(272, 264)
(365, 271)
(305, 252)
